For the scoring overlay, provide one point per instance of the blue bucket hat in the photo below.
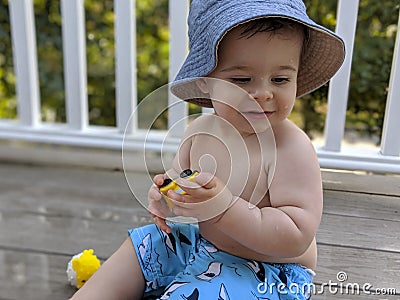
(210, 20)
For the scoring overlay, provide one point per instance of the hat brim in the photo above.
(323, 57)
(188, 91)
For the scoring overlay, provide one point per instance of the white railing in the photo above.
(332, 154)
(76, 131)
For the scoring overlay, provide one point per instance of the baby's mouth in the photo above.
(258, 114)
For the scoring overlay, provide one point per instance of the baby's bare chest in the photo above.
(245, 167)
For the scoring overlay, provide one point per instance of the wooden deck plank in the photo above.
(35, 215)
(48, 214)
(54, 203)
(361, 183)
(41, 231)
(61, 235)
(362, 205)
(362, 232)
(34, 275)
(380, 269)
(108, 186)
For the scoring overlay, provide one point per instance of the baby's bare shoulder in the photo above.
(289, 135)
(202, 122)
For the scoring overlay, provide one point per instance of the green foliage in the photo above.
(7, 78)
(372, 61)
(100, 61)
(152, 56)
(152, 45)
(376, 31)
(152, 52)
(50, 60)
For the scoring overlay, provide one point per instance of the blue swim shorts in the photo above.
(184, 265)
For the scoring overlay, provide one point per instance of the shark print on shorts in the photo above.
(182, 265)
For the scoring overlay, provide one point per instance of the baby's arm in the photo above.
(287, 228)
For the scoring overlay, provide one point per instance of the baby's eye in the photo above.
(240, 79)
(280, 80)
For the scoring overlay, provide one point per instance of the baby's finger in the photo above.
(206, 180)
(159, 208)
(154, 193)
(197, 189)
(162, 224)
(175, 196)
(159, 179)
(187, 185)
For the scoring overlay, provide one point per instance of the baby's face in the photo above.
(264, 67)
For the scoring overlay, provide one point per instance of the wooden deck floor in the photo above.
(49, 214)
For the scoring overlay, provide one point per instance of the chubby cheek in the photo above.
(225, 111)
(231, 115)
(287, 103)
(226, 108)
(226, 100)
(287, 108)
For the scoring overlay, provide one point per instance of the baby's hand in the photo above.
(206, 198)
(157, 206)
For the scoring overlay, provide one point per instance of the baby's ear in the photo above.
(202, 85)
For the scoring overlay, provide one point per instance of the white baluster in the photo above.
(126, 69)
(339, 85)
(391, 127)
(25, 60)
(75, 73)
(178, 109)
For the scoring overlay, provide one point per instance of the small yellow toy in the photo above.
(170, 184)
(81, 267)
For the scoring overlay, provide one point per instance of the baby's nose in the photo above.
(261, 91)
